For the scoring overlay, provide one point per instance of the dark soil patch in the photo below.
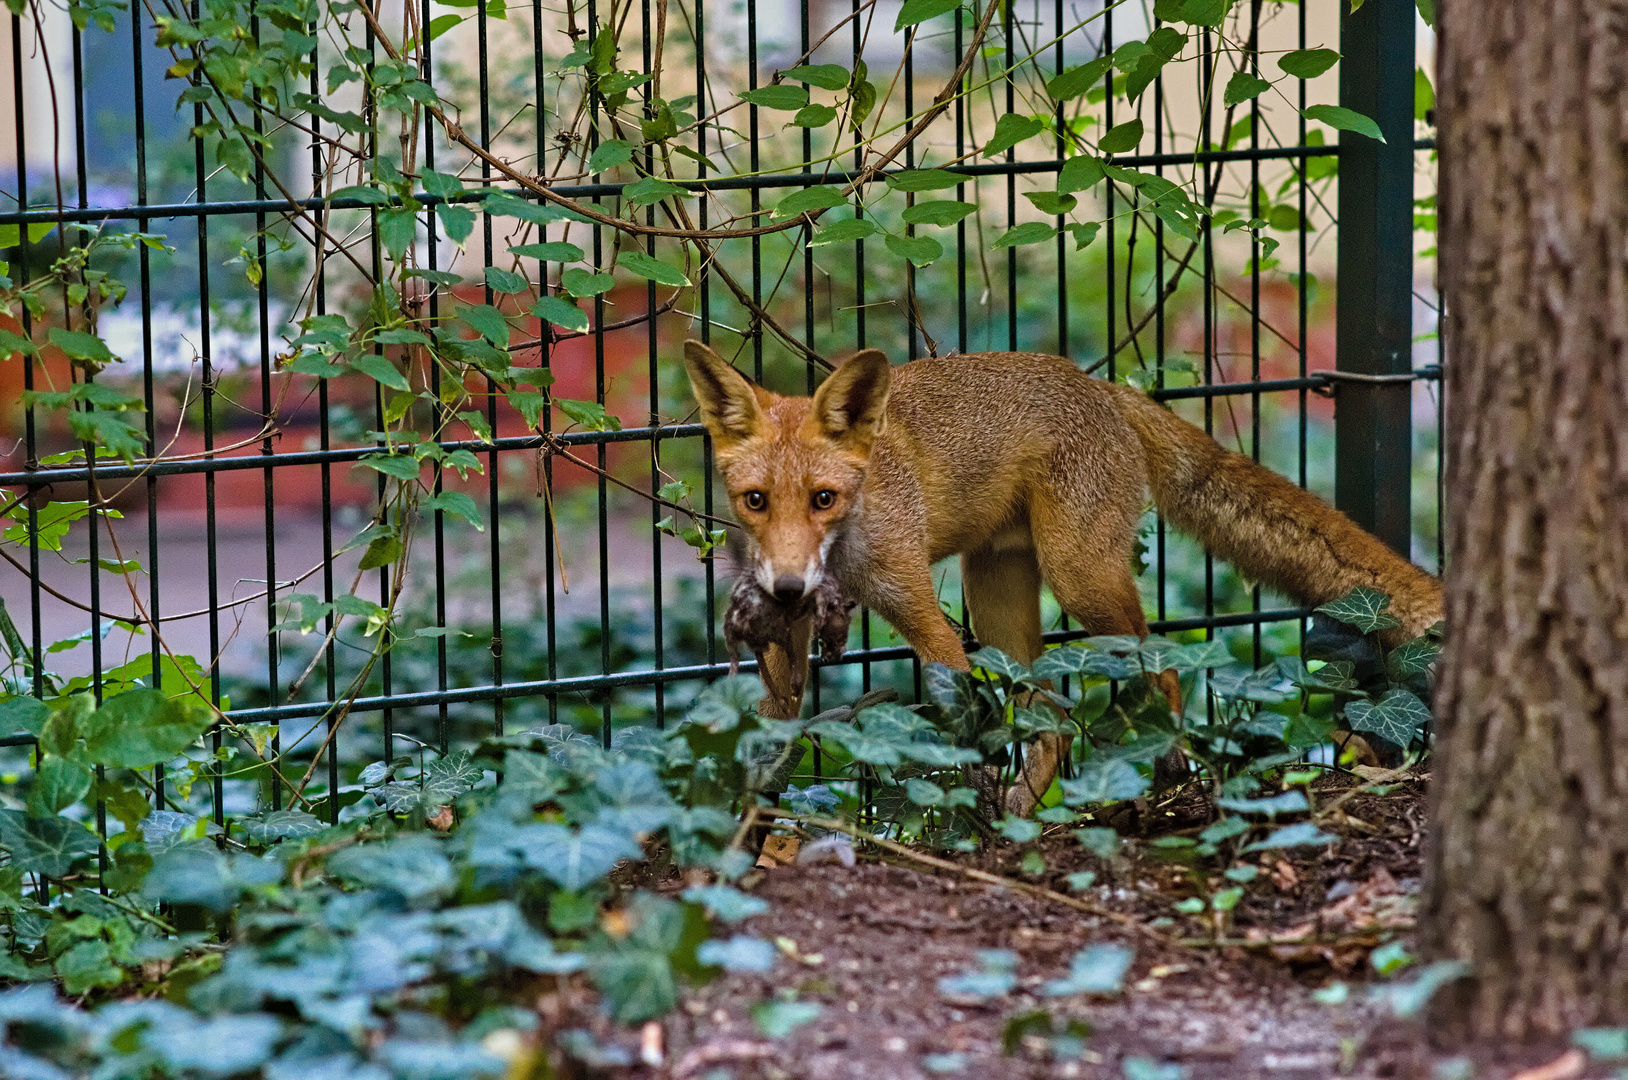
(870, 943)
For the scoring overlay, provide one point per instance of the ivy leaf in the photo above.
(458, 221)
(652, 190)
(779, 96)
(740, 953)
(842, 232)
(1019, 830)
(998, 663)
(726, 903)
(140, 728)
(1010, 130)
(401, 466)
(918, 11)
(397, 229)
(553, 251)
(58, 784)
(609, 154)
(22, 713)
(460, 505)
(561, 313)
(275, 825)
(13, 343)
(487, 321)
(938, 755)
(1210, 13)
(1412, 658)
(637, 983)
(163, 829)
(1078, 80)
(995, 976)
(575, 858)
(1301, 834)
(1242, 86)
(1050, 202)
(590, 414)
(1344, 119)
(777, 1019)
(506, 282)
(402, 337)
(814, 198)
(80, 346)
(940, 212)
(958, 694)
(1121, 138)
(924, 180)
(1289, 802)
(222, 1046)
(977, 986)
(637, 262)
(1330, 677)
(1030, 232)
(414, 866)
(580, 282)
(1197, 656)
(814, 116)
(825, 76)
(862, 746)
(447, 778)
(1095, 969)
(1308, 63)
(88, 965)
(919, 250)
(1396, 717)
(1364, 608)
(441, 24)
(44, 845)
(1104, 780)
(923, 792)
(1079, 174)
(381, 370)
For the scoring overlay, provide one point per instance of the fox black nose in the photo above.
(788, 587)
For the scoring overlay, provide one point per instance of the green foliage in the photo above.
(341, 927)
(293, 945)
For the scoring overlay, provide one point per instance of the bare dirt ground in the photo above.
(868, 944)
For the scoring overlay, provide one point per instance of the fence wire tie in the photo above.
(1334, 378)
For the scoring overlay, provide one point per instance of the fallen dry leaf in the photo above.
(1344, 932)
(1567, 1066)
(719, 1052)
(650, 1045)
(779, 851)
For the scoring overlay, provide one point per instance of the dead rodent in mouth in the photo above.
(757, 620)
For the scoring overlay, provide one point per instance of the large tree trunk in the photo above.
(1527, 874)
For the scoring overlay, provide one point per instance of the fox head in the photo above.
(794, 466)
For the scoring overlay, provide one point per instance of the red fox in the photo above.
(1031, 471)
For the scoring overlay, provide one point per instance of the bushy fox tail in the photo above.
(1271, 530)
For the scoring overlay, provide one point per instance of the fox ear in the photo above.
(729, 402)
(850, 406)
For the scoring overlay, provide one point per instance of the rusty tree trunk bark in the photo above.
(1527, 871)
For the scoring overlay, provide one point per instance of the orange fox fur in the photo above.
(1029, 470)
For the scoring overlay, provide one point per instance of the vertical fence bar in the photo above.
(1374, 331)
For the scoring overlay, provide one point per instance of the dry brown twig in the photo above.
(1129, 922)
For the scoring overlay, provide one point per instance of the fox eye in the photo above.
(755, 500)
(825, 499)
